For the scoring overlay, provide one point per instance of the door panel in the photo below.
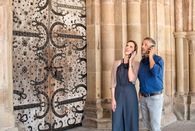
(49, 58)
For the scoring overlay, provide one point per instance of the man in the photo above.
(150, 76)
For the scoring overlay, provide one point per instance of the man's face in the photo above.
(145, 46)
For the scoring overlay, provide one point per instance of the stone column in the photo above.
(107, 45)
(93, 112)
(167, 51)
(107, 53)
(179, 41)
(191, 96)
(7, 121)
(193, 16)
(191, 42)
(120, 16)
(180, 99)
(134, 22)
(191, 37)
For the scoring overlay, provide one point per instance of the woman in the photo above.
(124, 96)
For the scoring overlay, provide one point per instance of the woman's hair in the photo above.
(135, 44)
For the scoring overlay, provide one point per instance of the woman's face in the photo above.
(129, 48)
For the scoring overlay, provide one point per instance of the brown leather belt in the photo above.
(150, 94)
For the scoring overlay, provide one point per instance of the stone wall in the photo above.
(166, 22)
(7, 122)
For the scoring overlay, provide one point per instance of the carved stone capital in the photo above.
(191, 35)
(179, 34)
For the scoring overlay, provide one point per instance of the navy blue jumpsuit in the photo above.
(125, 117)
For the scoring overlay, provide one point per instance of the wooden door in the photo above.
(49, 64)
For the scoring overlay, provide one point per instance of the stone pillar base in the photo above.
(106, 105)
(181, 107)
(7, 122)
(191, 107)
(168, 119)
(103, 123)
(168, 115)
(184, 107)
(93, 116)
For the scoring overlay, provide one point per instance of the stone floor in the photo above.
(181, 126)
(176, 126)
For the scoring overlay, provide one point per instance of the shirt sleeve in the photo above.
(157, 69)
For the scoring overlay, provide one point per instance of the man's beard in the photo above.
(144, 55)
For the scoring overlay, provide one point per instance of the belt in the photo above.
(150, 94)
